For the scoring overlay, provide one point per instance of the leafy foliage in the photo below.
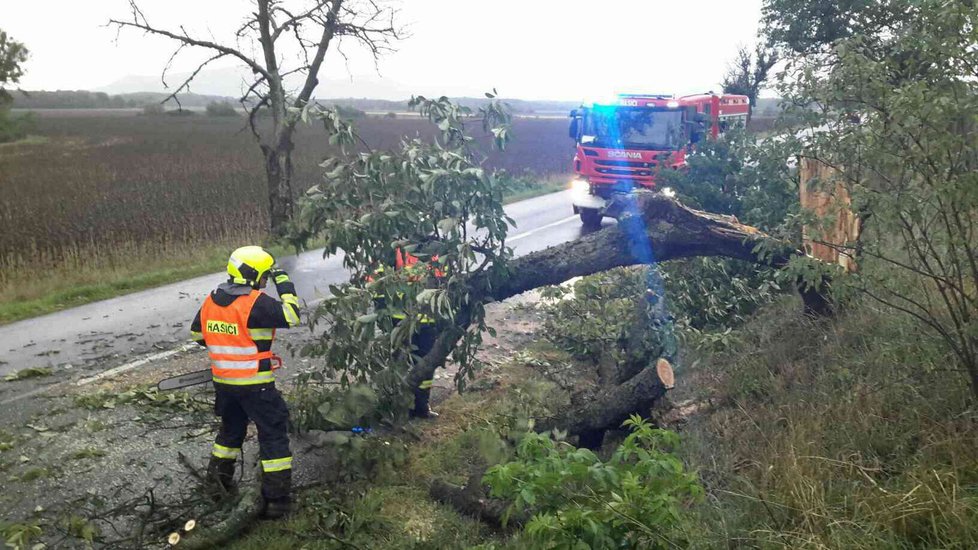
(433, 200)
(708, 294)
(18, 536)
(740, 176)
(29, 372)
(605, 318)
(173, 401)
(894, 116)
(13, 54)
(221, 108)
(632, 500)
(812, 27)
(748, 72)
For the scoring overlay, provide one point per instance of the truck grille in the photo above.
(613, 172)
(624, 163)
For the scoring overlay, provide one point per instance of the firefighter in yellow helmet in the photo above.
(237, 325)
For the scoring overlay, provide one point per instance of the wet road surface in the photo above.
(102, 335)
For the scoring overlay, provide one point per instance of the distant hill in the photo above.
(83, 99)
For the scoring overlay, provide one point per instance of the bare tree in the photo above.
(748, 72)
(292, 37)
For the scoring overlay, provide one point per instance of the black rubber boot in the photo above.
(220, 472)
(276, 509)
(422, 407)
(276, 491)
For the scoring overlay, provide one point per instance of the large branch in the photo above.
(312, 77)
(296, 20)
(653, 228)
(613, 405)
(190, 41)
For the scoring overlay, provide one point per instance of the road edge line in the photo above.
(135, 364)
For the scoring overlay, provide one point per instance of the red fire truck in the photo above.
(621, 144)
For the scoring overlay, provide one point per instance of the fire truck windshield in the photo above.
(633, 128)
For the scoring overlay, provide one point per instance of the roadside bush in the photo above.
(391, 114)
(349, 112)
(221, 108)
(632, 500)
(153, 109)
(13, 128)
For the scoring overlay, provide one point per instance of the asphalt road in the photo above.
(103, 335)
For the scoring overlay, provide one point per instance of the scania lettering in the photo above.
(622, 144)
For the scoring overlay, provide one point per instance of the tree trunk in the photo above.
(654, 228)
(610, 408)
(278, 172)
(473, 501)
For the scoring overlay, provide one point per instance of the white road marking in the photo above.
(537, 230)
(136, 364)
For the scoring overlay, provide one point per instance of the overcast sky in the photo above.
(532, 49)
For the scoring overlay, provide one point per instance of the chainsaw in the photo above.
(185, 380)
(199, 377)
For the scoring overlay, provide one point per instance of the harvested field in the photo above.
(100, 191)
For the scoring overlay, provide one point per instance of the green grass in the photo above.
(536, 187)
(852, 433)
(392, 510)
(142, 269)
(30, 139)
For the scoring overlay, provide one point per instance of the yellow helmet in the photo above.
(248, 264)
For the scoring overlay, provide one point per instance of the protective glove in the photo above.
(279, 275)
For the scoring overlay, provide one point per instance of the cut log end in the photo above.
(666, 374)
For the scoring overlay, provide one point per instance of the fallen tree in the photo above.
(654, 228)
(437, 202)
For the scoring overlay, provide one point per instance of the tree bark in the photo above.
(611, 407)
(473, 501)
(278, 172)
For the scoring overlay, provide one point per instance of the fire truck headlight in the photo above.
(669, 192)
(580, 188)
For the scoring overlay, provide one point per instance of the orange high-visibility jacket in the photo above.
(405, 259)
(234, 355)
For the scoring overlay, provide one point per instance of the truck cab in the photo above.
(621, 145)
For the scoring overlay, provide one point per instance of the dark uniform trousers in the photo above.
(264, 406)
(423, 340)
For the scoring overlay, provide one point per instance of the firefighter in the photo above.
(426, 333)
(237, 325)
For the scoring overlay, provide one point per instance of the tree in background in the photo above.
(13, 54)
(812, 26)
(748, 72)
(891, 108)
(291, 39)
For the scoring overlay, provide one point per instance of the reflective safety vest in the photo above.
(234, 355)
(406, 260)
